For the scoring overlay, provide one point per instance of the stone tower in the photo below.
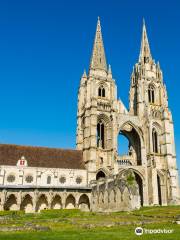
(96, 107)
(149, 101)
(147, 125)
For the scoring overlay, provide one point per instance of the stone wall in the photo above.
(42, 177)
(115, 193)
(35, 200)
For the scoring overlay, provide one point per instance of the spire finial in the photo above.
(98, 59)
(144, 24)
(109, 69)
(145, 53)
(84, 74)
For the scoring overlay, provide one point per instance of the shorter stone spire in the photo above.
(98, 58)
(83, 78)
(145, 53)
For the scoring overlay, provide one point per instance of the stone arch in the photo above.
(42, 203)
(100, 174)
(121, 172)
(11, 203)
(138, 129)
(56, 202)
(140, 179)
(158, 127)
(70, 202)
(104, 118)
(27, 204)
(102, 83)
(84, 203)
(136, 142)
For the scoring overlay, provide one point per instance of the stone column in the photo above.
(63, 199)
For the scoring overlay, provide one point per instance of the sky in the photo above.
(46, 45)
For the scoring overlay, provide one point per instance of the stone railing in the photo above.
(125, 160)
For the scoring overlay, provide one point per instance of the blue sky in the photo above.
(45, 46)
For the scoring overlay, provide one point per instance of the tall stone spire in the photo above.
(145, 53)
(98, 58)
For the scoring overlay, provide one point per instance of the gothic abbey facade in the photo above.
(95, 177)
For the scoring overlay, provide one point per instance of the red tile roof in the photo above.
(41, 156)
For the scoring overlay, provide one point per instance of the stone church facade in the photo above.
(95, 176)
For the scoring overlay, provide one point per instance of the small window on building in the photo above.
(11, 178)
(29, 178)
(62, 179)
(155, 141)
(101, 91)
(49, 180)
(151, 94)
(100, 134)
(79, 180)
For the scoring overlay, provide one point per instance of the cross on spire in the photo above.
(98, 58)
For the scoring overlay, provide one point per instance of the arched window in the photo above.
(100, 174)
(155, 141)
(100, 134)
(49, 180)
(151, 94)
(101, 91)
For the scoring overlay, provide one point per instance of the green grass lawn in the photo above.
(74, 224)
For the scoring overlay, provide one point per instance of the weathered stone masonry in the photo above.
(96, 176)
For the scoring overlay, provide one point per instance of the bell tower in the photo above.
(149, 102)
(95, 115)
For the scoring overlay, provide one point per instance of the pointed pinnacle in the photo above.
(98, 58)
(144, 24)
(84, 74)
(145, 53)
(109, 69)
